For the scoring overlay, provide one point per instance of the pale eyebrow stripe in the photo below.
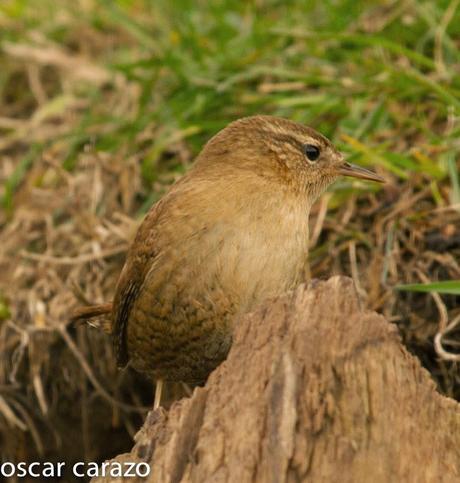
(289, 138)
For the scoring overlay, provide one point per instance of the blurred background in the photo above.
(103, 104)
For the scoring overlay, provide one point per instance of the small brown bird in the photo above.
(228, 235)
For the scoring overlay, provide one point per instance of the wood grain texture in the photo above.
(314, 389)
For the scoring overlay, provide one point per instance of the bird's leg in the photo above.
(186, 388)
(158, 391)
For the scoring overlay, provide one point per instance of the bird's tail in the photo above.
(92, 311)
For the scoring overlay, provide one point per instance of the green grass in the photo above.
(197, 65)
(448, 287)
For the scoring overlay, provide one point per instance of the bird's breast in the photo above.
(262, 253)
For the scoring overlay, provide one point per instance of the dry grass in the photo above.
(63, 246)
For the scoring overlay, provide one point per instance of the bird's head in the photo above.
(282, 150)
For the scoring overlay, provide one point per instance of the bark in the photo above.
(314, 389)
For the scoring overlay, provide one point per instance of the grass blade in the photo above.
(447, 287)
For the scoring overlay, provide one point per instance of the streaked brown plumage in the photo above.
(228, 235)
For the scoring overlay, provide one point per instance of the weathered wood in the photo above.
(314, 389)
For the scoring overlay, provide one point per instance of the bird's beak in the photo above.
(348, 169)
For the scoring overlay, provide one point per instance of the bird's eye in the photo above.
(311, 152)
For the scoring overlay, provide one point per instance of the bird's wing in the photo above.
(122, 308)
(143, 253)
(140, 256)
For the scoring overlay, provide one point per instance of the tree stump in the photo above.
(314, 389)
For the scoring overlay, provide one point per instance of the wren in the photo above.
(228, 235)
